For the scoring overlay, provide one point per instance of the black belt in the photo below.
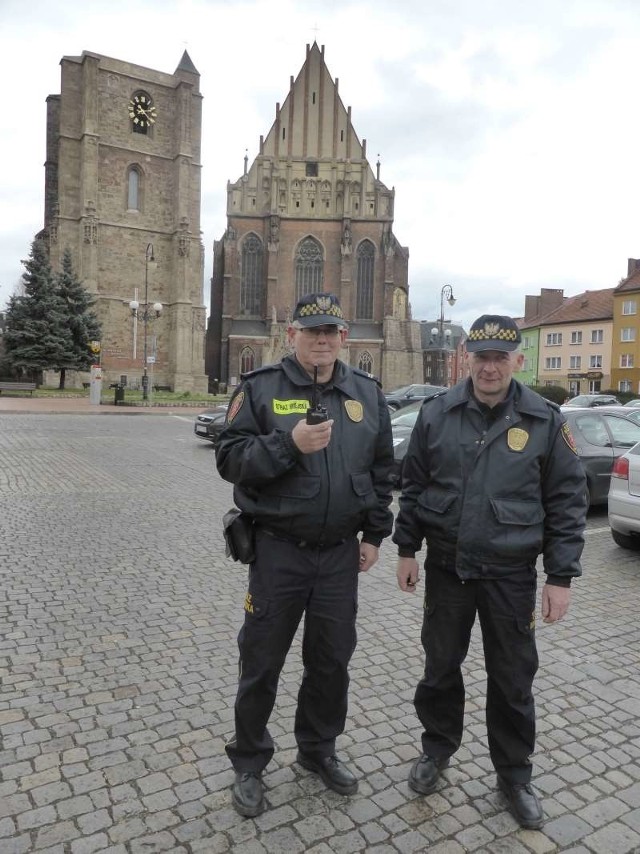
(301, 544)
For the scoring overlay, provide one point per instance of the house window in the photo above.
(597, 336)
(364, 294)
(553, 363)
(133, 189)
(311, 169)
(525, 343)
(575, 363)
(628, 333)
(365, 362)
(309, 268)
(625, 385)
(251, 281)
(629, 306)
(576, 337)
(554, 339)
(626, 360)
(247, 360)
(595, 361)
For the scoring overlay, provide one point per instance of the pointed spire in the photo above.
(186, 64)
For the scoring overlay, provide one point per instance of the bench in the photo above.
(17, 387)
(162, 388)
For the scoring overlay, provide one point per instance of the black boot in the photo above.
(425, 773)
(247, 796)
(524, 803)
(334, 774)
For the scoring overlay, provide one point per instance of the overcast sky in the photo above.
(509, 128)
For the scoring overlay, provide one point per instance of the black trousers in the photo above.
(506, 610)
(285, 582)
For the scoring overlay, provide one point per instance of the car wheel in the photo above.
(625, 541)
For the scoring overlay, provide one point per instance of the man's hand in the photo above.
(310, 438)
(407, 574)
(555, 602)
(368, 556)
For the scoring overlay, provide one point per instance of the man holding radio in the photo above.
(307, 445)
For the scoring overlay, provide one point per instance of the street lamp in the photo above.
(444, 336)
(134, 305)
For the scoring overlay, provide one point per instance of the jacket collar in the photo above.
(342, 379)
(524, 400)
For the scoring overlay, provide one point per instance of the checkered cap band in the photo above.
(313, 309)
(499, 335)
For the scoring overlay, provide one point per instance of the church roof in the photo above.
(186, 64)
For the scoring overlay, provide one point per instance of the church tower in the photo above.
(309, 215)
(122, 192)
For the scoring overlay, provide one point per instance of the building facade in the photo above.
(575, 343)
(308, 215)
(122, 192)
(625, 357)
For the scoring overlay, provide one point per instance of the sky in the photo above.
(509, 129)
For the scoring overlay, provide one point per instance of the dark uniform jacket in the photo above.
(320, 498)
(492, 489)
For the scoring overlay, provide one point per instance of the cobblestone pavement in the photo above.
(118, 618)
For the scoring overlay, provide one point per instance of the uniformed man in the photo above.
(311, 488)
(491, 480)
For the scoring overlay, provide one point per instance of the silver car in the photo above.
(624, 499)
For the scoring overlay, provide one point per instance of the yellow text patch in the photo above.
(290, 407)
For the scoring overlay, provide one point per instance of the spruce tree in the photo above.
(83, 324)
(37, 335)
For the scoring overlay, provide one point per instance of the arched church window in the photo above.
(251, 284)
(365, 362)
(133, 188)
(247, 360)
(364, 278)
(309, 267)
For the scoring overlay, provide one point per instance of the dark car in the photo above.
(402, 423)
(601, 436)
(402, 397)
(208, 425)
(593, 400)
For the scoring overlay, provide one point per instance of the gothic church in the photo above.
(310, 215)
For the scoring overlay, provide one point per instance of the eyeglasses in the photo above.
(317, 331)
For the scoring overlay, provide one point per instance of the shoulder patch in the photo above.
(567, 435)
(235, 406)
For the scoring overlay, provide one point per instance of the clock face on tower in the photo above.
(142, 111)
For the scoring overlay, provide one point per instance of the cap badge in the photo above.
(354, 410)
(517, 439)
(323, 303)
(491, 329)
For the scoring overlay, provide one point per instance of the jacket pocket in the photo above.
(509, 511)
(437, 500)
(437, 511)
(363, 487)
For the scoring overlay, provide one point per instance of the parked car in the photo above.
(633, 403)
(208, 425)
(402, 397)
(624, 500)
(601, 436)
(593, 400)
(402, 423)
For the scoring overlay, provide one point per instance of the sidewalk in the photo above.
(81, 406)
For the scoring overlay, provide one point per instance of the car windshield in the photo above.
(407, 417)
(398, 392)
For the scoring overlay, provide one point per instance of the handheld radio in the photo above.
(317, 413)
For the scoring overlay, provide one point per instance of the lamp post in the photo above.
(134, 305)
(444, 336)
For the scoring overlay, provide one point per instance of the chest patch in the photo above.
(290, 407)
(354, 410)
(517, 438)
